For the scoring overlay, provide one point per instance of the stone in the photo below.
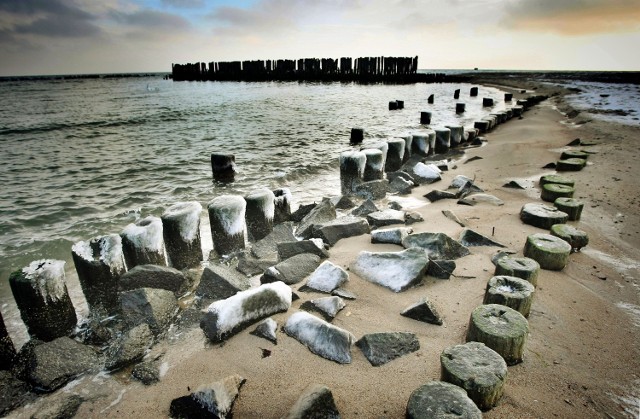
(573, 207)
(441, 269)
(154, 276)
(401, 186)
(60, 406)
(514, 184)
(224, 318)
(13, 392)
(386, 217)
(342, 202)
(320, 337)
(381, 348)
(542, 216)
(471, 238)
(476, 368)
(267, 329)
(292, 270)
(327, 277)
(423, 311)
(328, 307)
(559, 179)
(302, 211)
(321, 213)
(551, 191)
(501, 328)
(461, 182)
(575, 237)
(481, 198)
(438, 399)
(510, 291)
(574, 154)
(391, 176)
(267, 247)
(549, 251)
(426, 174)
(50, 365)
(251, 266)
(450, 215)
(344, 294)
(341, 228)
(570, 165)
(412, 217)
(7, 350)
(373, 189)
(147, 372)
(156, 307)
(524, 268)
(365, 209)
(397, 271)
(297, 247)
(390, 235)
(130, 347)
(219, 281)
(436, 195)
(213, 400)
(438, 246)
(315, 402)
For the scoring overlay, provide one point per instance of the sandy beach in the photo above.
(582, 355)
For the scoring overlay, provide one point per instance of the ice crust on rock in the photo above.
(47, 278)
(329, 306)
(327, 277)
(394, 270)
(188, 214)
(322, 338)
(146, 234)
(230, 210)
(390, 235)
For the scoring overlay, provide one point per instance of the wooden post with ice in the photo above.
(41, 295)
(395, 154)
(283, 200)
(259, 213)
(99, 263)
(508, 97)
(352, 165)
(408, 145)
(143, 244)
(223, 166)
(226, 216)
(443, 140)
(374, 165)
(457, 135)
(181, 232)
(487, 101)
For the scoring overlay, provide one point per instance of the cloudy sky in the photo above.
(106, 36)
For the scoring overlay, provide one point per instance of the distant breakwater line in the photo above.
(366, 69)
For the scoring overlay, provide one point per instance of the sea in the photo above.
(85, 157)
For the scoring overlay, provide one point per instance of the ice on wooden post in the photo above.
(457, 134)
(408, 143)
(352, 165)
(41, 295)
(143, 244)
(424, 142)
(374, 166)
(181, 231)
(425, 118)
(395, 154)
(99, 263)
(259, 215)
(226, 217)
(282, 211)
(393, 105)
(223, 166)
(443, 140)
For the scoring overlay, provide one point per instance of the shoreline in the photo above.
(571, 324)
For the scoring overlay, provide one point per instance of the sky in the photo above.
(113, 36)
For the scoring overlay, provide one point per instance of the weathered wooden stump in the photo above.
(570, 165)
(430, 99)
(456, 94)
(542, 216)
(552, 191)
(99, 263)
(259, 213)
(577, 239)
(223, 166)
(425, 118)
(479, 370)
(357, 135)
(283, 199)
(473, 91)
(41, 295)
(508, 97)
(457, 135)
(524, 268)
(460, 107)
(393, 105)
(143, 243)
(443, 140)
(573, 207)
(510, 291)
(574, 154)
(487, 101)
(226, 216)
(352, 165)
(438, 399)
(408, 144)
(420, 144)
(482, 126)
(400, 104)
(395, 155)
(550, 252)
(181, 232)
(559, 179)
(501, 328)
(374, 165)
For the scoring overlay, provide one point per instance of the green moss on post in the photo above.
(573, 207)
(574, 154)
(524, 268)
(510, 291)
(570, 165)
(562, 180)
(550, 252)
(577, 239)
(552, 191)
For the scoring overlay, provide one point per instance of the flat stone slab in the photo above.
(328, 307)
(373, 189)
(213, 400)
(341, 228)
(320, 337)
(481, 198)
(542, 216)
(156, 307)
(549, 251)
(438, 246)
(267, 247)
(386, 217)
(394, 270)
(390, 235)
(423, 311)
(315, 402)
(297, 247)
(320, 214)
(220, 281)
(380, 348)
(327, 277)
(438, 399)
(471, 238)
(130, 348)
(292, 270)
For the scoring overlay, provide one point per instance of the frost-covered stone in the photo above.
(373, 189)
(315, 402)
(380, 348)
(423, 311)
(267, 247)
(481, 198)
(219, 281)
(391, 176)
(352, 164)
(181, 232)
(260, 211)
(227, 220)
(40, 292)
(542, 216)
(390, 235)
(424, 173)
(327, 306)
(292, 270)
(143, 242)
(321, 337)
(282, 211)
(365, 209)
(267, 329)
(130, 347)
(341, 228)
(344, 294)
(394, 270)
(213, 400)
(471, 238)
(227, 317)
(401, 186)
(321, 213)
(327, 277)
(438, 246)
(153, 306)
(154, 276)
(292, 248)
(438, 399)
(386, 217)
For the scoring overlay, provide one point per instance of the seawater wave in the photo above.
(85, 157)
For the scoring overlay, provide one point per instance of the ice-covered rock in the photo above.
(341, 228)
(380, 348)
(321, 213)
(426, 173)
(143, 242)
(315, 402)
(327, 277)
(394, 270)
(401, 186)
(438, 246)
(390, 235)
(327, 306)
(481, 198)
(213, 400)
(267, 329)
(386, 217)
(322, 338)
(292, 270)
(227, 317)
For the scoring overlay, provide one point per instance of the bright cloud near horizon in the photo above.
(111, 36)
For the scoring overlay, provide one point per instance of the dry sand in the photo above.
(581, 359)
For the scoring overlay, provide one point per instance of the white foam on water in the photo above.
(146, 234)
(188, 214)
(47, 278)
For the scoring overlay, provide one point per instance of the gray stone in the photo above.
(391, 176)
(386, 217)
(423, 311)
(344, 294)
(292, 270)
(130, 347)
(341, 228)
(7, 350)
(327, 306)
(154, 276)
(267, 329)
(220, 281)
(342, 202)
(267, 247)
(147, 372)
(441, 269)
(481, 198)
(390, 235)
(365, 209)
(380, 348)
(461, 182)
(394, 270)
(250, 266)
(316, 402)
(327, 277)
(322, 338)
(436, 195)
(153, 306)
(438, 399)
(13, 392)
(213, 400)
(297, 247)
(321, 213)
(425, 174)
(224, 318)
(302, 211)
(450, 215)
(513, 184)
(542, 216)
(373, 189)
(394, 205)
(60, 406)
(471, 238)
(401, 186)
(438, 246)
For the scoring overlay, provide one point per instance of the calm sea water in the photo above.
(83, 158)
